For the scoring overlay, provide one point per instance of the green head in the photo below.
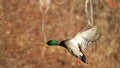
(52, 42)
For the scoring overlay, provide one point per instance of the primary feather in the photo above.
(86, 37)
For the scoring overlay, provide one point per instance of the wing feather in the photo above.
(86, 37)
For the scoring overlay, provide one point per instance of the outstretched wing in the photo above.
(86, 37)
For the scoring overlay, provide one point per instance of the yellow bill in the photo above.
(44, 44)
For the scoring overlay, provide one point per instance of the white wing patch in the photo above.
(86, 37)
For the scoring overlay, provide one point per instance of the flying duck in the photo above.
(77, 45)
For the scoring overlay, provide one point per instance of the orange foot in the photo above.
(78, 60)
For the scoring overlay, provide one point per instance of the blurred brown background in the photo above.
(21, 36)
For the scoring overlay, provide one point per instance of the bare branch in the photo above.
(91, 12)
(89, 16)
(86, 10)
(44, 4)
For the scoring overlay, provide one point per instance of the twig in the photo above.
(44, 33)
(44, 4)
(89, 16)
(86, 10)
(91, 12)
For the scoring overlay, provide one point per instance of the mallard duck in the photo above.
(77, 45)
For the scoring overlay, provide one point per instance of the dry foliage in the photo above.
(21, 34)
